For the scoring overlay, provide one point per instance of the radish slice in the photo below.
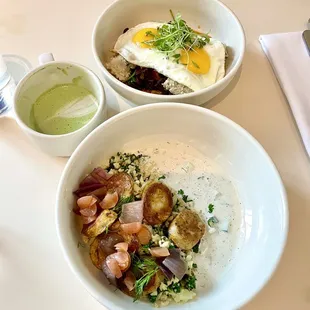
(110, 276)
(175, 264)
(132, 212)
(109, 201)
(159, 252)
(88, 219)
(123, 259)
(86, 202)
(113, 266)
(131, 228)
(122, 246)
(90, 211)
(144, 235)
(130, 280)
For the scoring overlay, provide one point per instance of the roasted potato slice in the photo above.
(154, 283)
(102, 246)
(122, 183)
(102, 222)
(186, 229)
(157, 203)
(96, 254)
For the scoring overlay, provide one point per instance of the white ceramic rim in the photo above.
(101, 103)
(219, 83)
(60, 230)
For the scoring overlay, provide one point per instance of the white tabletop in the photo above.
(33, 273)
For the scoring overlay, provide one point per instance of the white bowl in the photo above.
(265, 212)
(208, 14)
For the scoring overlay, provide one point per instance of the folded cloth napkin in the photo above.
(290, 60)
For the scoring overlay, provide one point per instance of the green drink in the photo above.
(63, 109)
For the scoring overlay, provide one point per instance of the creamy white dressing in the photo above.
(203, 180)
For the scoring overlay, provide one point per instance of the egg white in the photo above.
(151, 58)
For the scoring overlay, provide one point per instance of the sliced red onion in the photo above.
(85, 190)
(175, 263)
(100, 192)
(89, 180)
(132, 212)
(102, 173)
(167, 273)
(110, 276)
(97, 176)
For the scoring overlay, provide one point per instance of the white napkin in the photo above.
(290, 60)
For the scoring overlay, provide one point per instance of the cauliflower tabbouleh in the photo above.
(143, 235)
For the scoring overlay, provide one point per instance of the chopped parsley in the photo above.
(212, 221)
(161, 177)
(152, 298)
(175, 287)
(190, 282)
(196, 248)
(211, 208)
(184, 197)
(194, 265)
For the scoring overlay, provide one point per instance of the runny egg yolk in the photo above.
(197, 61)
(143, 35)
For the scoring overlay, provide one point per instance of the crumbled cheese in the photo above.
(118, 66)
(211, 230)
(164, 242)
(156, 238)
(176, 88)
(154, 293)
(163, 286)
(183, 296)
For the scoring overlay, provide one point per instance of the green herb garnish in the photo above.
(152, 298)
(122, 201)
(132, 79)
(161, 177)
(196, 248)
(175, 287)
(143, 282)
(175, 37)
(212, 220)
(184, 197)
(211, 208)
(194, 265)
(190, 282)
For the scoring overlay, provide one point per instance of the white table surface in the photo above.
(33, 273)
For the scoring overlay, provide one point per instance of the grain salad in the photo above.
(142, 234)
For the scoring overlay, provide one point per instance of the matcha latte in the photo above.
(63, 109)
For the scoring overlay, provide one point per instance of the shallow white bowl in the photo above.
(259, 186)
(210, 15)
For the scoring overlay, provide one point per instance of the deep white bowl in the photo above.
(257, 181)
(210, 15)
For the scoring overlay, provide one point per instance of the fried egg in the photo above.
(196, 69)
